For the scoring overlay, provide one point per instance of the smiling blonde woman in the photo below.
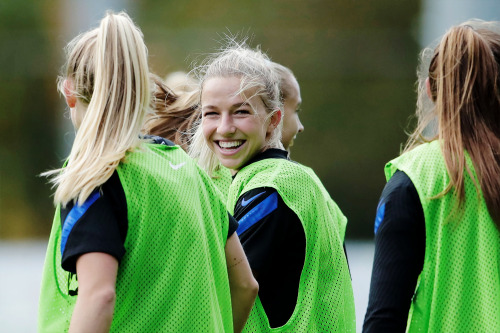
(289, 227)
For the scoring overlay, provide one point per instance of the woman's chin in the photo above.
(230, 164)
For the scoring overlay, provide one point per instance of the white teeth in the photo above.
(230, 144)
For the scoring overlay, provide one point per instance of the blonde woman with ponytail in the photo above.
(140, 239)
(437, 242)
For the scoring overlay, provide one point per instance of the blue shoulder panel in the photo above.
(266, 207)
(74, 215)
(380, 216)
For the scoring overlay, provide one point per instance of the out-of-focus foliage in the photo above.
(355, 62)
(27, 119)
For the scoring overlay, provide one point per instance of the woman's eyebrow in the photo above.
(211, 107)
(238, 105)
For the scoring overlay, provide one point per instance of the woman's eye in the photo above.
(210, 114)
(242, 112)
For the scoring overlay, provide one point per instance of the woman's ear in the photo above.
(428, 88)
(274, 122)
(68, 93)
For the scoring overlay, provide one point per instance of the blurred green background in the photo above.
(355, 62)
(354, 59)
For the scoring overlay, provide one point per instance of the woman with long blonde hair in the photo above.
(175, 114)
(437, 242)
(290, 228)
(140, 241)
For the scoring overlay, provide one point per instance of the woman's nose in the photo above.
(226, 125)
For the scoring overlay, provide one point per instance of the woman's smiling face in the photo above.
(235, 128)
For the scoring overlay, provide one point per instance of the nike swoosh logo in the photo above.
(176, 166)
(246, 202)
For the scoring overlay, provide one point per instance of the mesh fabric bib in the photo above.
(222, 179)
(173, 277)
(459, 287)
(325, 301)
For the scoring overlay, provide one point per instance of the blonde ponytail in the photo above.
(108, 69)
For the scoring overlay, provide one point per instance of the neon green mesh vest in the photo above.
(325, 300)
(222, 179)
(342, 222)
(459, 287)
(173, 277)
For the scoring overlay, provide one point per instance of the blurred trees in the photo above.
(28, 126)
(355, 62)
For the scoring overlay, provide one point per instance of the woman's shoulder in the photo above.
(424, 154)
(277, 173)
(424, 150)
(155, 148)
(276, 165)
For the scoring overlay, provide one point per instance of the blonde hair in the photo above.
(256, 73)
(173, 114)
(108, 69)
(181, 82)
(464, 80)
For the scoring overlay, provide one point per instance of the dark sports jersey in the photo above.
(399, 256)
(274, 241)
(101, 223)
